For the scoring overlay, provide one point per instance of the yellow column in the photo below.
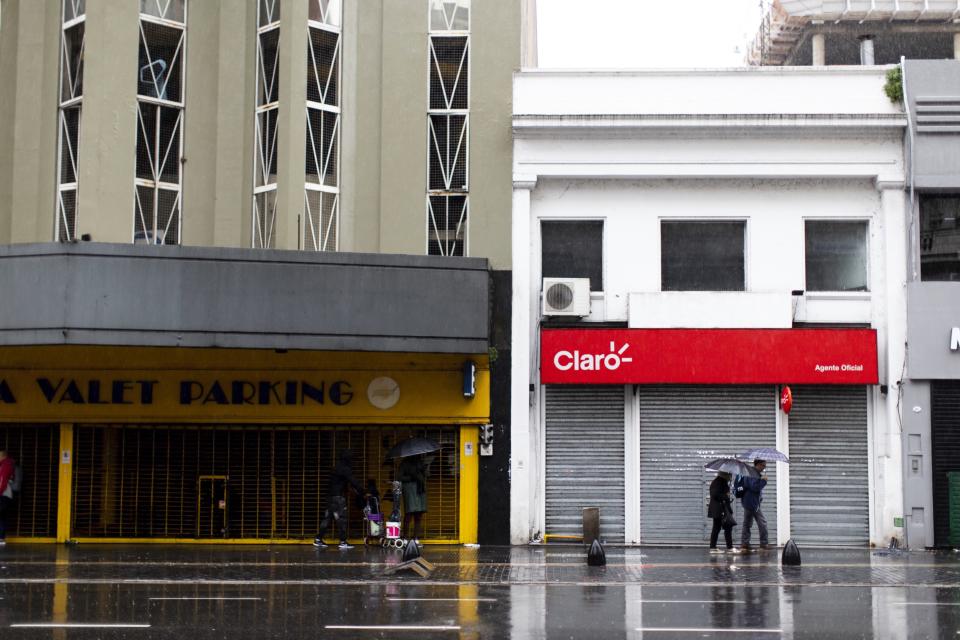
(65, 490)
(469, 483)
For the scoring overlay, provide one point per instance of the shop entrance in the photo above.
(242, 481)
(945, 431)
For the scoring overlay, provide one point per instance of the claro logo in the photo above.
(567, 360)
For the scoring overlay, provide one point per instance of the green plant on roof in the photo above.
(894, 86)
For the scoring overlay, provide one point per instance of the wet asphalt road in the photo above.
(265, 592)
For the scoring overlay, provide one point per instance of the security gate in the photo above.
(35, 448)
(584, 459)
(829, 485)
(681, 429)
(241, 481)
(945, 431)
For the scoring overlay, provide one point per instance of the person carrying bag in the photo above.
(720, 510)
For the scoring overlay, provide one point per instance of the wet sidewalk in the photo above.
(293, 591)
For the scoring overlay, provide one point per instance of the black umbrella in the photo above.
(413, 447)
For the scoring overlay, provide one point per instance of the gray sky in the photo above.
(645, 33)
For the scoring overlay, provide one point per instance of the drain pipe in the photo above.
(866, 51)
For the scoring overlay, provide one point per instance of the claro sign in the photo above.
(708, 356)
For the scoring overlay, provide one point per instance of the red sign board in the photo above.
(708, 356)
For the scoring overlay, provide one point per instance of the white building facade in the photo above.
(741, 234)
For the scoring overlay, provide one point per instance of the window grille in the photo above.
(267, 118)
(322, 148)
(72, 45)
(160, 110)
(448, 127)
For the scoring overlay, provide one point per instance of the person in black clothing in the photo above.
(341, 478)
(720, 502)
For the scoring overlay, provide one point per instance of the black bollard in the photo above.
(411, 551)
(596, 557)
(791, 554)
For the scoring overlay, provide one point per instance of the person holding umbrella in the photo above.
(413, 474)
(721, 512)
(752, 497)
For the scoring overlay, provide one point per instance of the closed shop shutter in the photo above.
(584, 465)
(36, 449)
(829, 494)
(945, 426)
(681, 429)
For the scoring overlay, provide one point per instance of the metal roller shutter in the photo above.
(682, 428)
(945, 426)
(829, 487)
(584, 466)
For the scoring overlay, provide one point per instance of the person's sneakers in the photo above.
(3, 542)
(346, 545)
(319, 543)
(745, 548)
(765, 547)
(715, 550)
(734, 550)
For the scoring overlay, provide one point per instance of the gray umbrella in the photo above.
(413, 447)
(765, 453)
(732, 466)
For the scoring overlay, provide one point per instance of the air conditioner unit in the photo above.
(566, 297)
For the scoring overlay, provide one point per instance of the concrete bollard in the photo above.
(791, 554)
(596, 557)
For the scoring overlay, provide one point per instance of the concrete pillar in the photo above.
(819, 46)
(523, 479)
(866, 51)
(292, 126)
(29, 62)
(890, 294)
(108, 125)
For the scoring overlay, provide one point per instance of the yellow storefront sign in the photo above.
(225, 386)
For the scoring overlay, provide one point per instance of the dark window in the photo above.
(939, 238)
(836, 256)
(702, 256)
(573, 250)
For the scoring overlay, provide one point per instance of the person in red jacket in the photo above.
(7, 469)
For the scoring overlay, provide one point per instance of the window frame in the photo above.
(604, 222)
(918, 242)
(866, 221)
(745, 221)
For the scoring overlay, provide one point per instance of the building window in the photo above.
(448, 128)
(702, 256)
(939, 238)
(572, 249)
(160, 108)
(836, 255)
(72, 41)
(322, 160)
(265, 126)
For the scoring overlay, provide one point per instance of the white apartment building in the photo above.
(689, 247)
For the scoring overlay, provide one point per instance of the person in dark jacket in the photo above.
(341, 479)
(752, 497)
(413, 473)
(7, 472)
(719, 507)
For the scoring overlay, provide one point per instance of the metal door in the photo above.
(829, 494)
(681, 429)
(584, 465)
(945, 432)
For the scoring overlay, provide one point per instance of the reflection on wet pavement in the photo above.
(527, 592)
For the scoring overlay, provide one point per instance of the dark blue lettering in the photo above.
(146, 390)
(93, 393)
(6, 395)
(47, 388)
(269, 390)
(190, 390)
(341, 393)
(72, 394)
(216, 394)
(307, 390)
(243, 392)
(118, 391)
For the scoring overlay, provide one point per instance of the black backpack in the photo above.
(16, 480)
